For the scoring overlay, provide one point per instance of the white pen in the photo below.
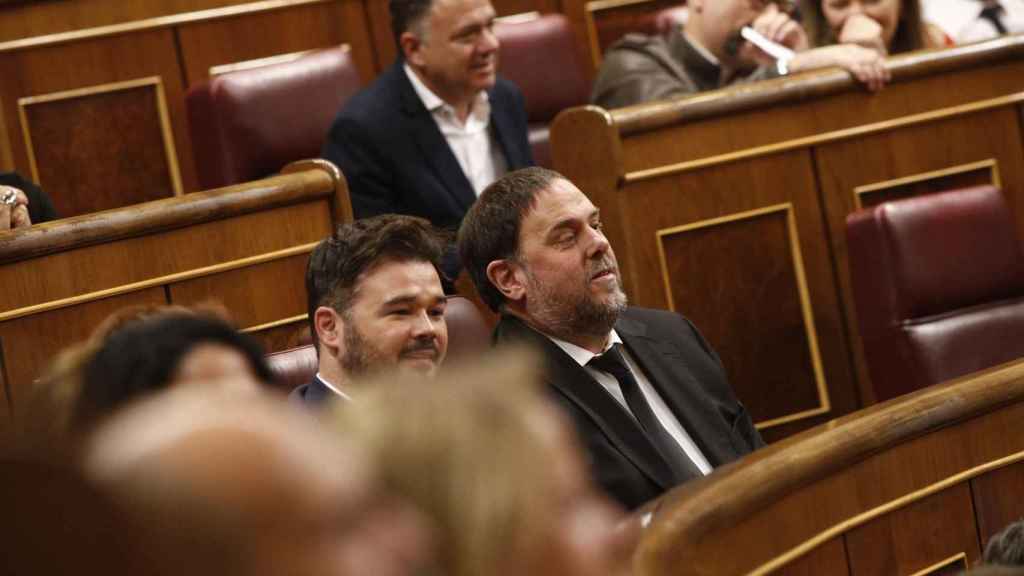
(773, 49)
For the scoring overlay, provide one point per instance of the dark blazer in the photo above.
(688, 376)
(396, 160)
(314, 394)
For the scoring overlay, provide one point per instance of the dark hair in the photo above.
(405, 15)
(143, 356)
(490, 230)
(909, 36)
(1007, 547)
(337, 263)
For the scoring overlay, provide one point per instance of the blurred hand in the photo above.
(16, 216)
(864, 31)
(866, 65)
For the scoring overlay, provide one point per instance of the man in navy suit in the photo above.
(649, 397)
(439, 125)
(375, 303)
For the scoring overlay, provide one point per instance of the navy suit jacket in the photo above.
(686, 373)
(396, 160)
(315, 394)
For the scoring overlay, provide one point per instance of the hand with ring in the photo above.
(13, 209)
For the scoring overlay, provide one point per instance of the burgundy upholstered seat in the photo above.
(468, 334)
(248, 124)
(939, 287)
(540, 56)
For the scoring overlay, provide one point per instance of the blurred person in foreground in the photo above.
(709, 52)
(1007, 547)
(248, 486)
(498, 470)
(885, 26)
(375, 303)
(649, 397)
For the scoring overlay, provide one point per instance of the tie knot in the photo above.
(611, 362)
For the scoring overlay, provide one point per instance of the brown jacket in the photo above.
(640, 68)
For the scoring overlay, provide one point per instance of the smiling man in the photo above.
(439, 125)
(375, 303)
(647, 394)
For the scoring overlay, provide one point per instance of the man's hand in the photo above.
(863, 31)
(778, 27)
(16, 215)
(866, 65)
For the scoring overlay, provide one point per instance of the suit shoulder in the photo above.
(376, 103)
(654, 316)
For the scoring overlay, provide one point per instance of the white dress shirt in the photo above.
(961, 20)
(333, 388)
(661, 411)
(475, 147)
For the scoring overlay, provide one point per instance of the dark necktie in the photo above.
(991, 12)
(612, 363)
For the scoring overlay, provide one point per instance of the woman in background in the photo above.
(888, 26)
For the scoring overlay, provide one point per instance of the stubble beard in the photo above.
(566, 316)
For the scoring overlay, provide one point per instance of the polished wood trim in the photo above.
(260, 62)
(836, 135)
(166, 131)
(341, 202)
(868, 515)
(8, 405)
(689, 512)
(808, 86)
(307, 182)
(155, 23)
(276, 323)
(6, 157)
(591, 23)
(158, 281)
(961, 557)
(824, 402)
(992, 164)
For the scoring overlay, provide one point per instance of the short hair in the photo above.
(143, 357)
(490, 230)
(1007, 547)
(406, 15)
(338, 262)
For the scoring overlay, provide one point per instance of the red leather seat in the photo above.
(540, 56)
(938, 282)
(468, 334)
(248, 124)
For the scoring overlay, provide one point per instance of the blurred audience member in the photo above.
(975, 20)
(711, 53)
(167, 350)
(886, 26)
(375, 302)
(22, 203)
(1007, 547)
(247, 486)
(496, 468)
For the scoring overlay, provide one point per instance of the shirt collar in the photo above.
(432, 102)
(700, 49)
(332, 387)
(582, 355)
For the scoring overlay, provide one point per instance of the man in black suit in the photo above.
(649, 397)
(375, 303)
(439, 125)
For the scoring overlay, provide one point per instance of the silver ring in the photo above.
(8, 195)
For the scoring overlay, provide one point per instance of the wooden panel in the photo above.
(247, 37)
(32, 341)
(97, 62)
(997, 500)
(829, 558)
(920, 537)
(955, 177)
(609, 20)
(245, 291)
(101, 147)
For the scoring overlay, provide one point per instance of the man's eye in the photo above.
(437, 312)
(597, 226)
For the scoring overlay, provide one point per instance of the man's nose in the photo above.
(424, 325)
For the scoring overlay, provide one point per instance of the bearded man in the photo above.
(648, 396)
(375, 303)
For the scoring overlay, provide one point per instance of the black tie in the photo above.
(612, 363)
(991, 12)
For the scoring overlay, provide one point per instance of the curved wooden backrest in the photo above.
(729, 206)
(911, 485)
(244, 246)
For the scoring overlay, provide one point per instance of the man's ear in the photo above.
(330, 328)
(509, 278)
(410, 45)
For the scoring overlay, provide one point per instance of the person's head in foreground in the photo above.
(534, 246)
(375, 298)
(497, 469)
(248, 486)
(888, 26)
(162, 351)
(1007, 547)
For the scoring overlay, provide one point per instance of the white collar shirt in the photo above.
(661, 410)
(961, 19)
(333, 388)
(473, 143)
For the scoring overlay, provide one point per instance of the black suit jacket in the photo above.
(314, 394)
(686, 373)
(396, 160)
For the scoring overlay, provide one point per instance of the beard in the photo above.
(362, 357)
(566, 313)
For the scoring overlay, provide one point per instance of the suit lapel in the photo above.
(434, 148)
(572, 381)
(503, 128)
(666, 369)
